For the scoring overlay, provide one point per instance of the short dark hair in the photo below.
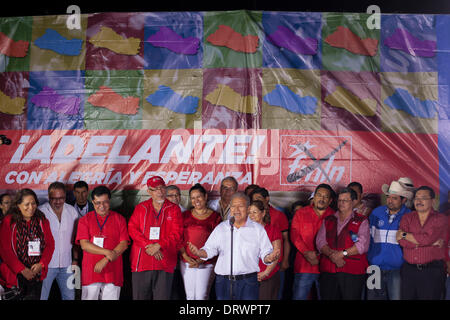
(429, 189)
(352, 192)
(198, 187)
(250, 187)
(327, 187)
(99, 191)
(4, 195)
(356, 184)
(57, 185)
(81, 184)
(173, 187)
(262, 191)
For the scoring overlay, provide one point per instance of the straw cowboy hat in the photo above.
(396, 188)
(406, 183)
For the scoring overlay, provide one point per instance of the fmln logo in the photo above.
(311, 160)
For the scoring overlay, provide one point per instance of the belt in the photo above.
(421, 266)
(238, 276)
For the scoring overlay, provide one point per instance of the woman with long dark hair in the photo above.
(26, 245)
(198, 223)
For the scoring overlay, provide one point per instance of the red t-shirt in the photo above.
(278, 219)
(197, 231)
(274, 234)
(114, 231)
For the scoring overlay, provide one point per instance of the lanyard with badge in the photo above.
(100, 238)
(34, 247)
(155, 231)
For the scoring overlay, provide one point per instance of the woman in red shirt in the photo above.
(26, 245)
(198, 223)
(268, 275)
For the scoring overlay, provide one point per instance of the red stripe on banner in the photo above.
(282, 160)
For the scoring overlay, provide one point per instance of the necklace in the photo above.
(201, 215)
(198, 213)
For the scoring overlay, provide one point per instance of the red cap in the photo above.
(155, 182)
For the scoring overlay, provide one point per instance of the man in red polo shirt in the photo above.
(156, 227)
(423, 234)
(343, 240)
(304, 227)
(103, 237)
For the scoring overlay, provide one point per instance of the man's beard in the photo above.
(321, 206)
(393, 208)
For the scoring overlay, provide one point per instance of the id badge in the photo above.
(99, 241)
(154, 233)
(34, 248)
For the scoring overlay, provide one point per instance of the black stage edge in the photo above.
(46, 7)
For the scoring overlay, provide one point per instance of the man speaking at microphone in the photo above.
(250, 243)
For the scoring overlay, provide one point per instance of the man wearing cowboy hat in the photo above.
(384, 250)
(408, 185)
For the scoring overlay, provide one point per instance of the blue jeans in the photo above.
(390, 286)
(245, 289)
(302, 285)
(62, 277)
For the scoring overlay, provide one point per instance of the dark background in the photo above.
(46, 7)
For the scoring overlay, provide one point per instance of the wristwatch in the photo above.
(345, 253)
(404, 235)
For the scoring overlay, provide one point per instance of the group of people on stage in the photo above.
(238, 246)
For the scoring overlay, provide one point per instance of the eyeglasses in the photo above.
(100, 203)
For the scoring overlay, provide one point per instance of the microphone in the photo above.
(231, 221)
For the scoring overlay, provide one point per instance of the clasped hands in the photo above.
(33, 271)
(337, 257)
(193, 263)
(154, 250)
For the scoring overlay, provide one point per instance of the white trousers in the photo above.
(197, 281)
(100, 291)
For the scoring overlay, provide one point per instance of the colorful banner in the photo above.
(285, 160)
(286, 100)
